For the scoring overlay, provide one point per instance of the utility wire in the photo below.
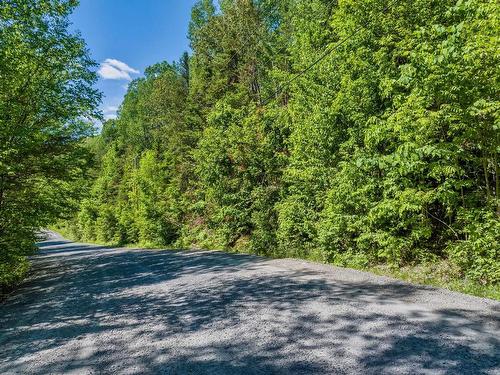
(249, 41)
(325, 54)
(329, 50)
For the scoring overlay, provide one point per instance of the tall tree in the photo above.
(47, 102)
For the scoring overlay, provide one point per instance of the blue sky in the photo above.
(126, 36)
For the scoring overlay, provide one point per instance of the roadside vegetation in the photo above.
(359, 133)
(47, 102)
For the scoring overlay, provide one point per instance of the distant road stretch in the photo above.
(93, 310)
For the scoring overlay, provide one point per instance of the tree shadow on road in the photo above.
(92, 309)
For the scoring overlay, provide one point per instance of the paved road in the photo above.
(91, 310)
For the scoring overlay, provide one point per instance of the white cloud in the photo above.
(121, 65)
(115, 69)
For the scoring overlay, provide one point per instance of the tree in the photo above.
(47, 103)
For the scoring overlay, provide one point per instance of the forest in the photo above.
(361, 133)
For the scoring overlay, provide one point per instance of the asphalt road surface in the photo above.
(93, 310)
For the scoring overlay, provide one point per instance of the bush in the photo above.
(14, 249)
(478, 255)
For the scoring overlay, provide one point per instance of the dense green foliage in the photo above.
(46, 91)
(385, 151)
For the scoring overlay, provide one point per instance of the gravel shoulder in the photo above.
(88, 309)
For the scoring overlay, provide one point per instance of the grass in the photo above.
(440, 274)
(435, 274)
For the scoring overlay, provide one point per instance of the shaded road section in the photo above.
(93, 310)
